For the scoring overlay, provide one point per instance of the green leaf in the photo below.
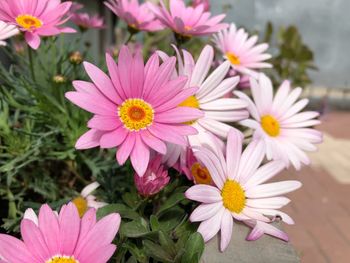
(194, 248)
(171, 202)
(154, 223)
(123, 210)
(136, 228)
(171, 219)
(167, 243)
(156, 251)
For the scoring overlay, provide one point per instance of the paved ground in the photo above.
(321, 208)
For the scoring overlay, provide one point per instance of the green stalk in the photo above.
(31, 63)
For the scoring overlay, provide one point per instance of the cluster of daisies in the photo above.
(171, 112)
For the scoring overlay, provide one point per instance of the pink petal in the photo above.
(14, 250)
(69, 221)
(48, 224)
(126, 147)
(114, 138)
(32, 39)
(233, 152)
(90, 139)
(140, 156)
(34, 240)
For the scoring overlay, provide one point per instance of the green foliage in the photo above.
(293, 58)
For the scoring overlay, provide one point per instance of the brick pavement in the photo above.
(321, 208)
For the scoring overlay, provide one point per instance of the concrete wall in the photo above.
(324, 25)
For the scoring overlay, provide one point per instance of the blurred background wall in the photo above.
(324, 25)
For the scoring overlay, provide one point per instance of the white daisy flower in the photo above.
(86, 200)
(279, 123)
(7, 31)
(218, 111)
(240, 191)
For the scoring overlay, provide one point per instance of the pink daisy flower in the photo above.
(136, 109)
(155, 178)
(137, 16)
(84, 21)
(241, 50)
(7, 31)
(205, 3)
(239, 192)
(188, 21)
(36, 18)
(279, 123)
(53, 238)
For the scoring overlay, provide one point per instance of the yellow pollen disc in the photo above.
(233, 58)
(62, 259)
(233, 196)
(29, 22)
(270, 125)
(188, 28)
(136, 114)
(191, 102)
(200, 174)
(81, 205)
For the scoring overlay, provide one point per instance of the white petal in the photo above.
(233, 152)
(214, 79)
(264, 173)
(250, 160)
(270, 203)
(224, 104)
(226, 230)
(272, 189)
(205, 211)
(211, 227)
(202, 66)
(89, 189)
(204, 194)
(219, 91)
(30, 215)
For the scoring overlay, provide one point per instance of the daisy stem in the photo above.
(31, 63)
(129, 39)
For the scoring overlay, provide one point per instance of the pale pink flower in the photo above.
(188, 21)
(205, 3)
(36, 18)
(155, 178)
(136, 108)
(279, 123)
(239, 192)
(241, 50)
(62, 238)
(137, 16)
(7, 31)
(85, 21)
(75, 7)
(219, 112)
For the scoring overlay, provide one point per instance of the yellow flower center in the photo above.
(81, 205)
(233, 196)
(136, 114)
(270, 125)
(188, 28)
(200, 174)
(29, 22)
(233, 58)
(191, 102)
(62, 259)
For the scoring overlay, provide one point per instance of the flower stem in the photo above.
(129, 39)
(31, 63)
